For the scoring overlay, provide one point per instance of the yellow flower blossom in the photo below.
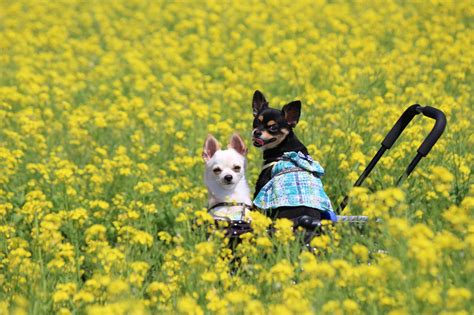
(284, 230)
(260, 222)
(187, 305)
(456, 297)
(281, 273)
(361, 252)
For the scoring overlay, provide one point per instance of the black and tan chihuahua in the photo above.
(273, 133)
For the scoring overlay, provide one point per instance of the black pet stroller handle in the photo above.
(405, 119)
(393, 135)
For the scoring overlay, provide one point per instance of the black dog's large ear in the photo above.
(211, 146)
(292, 112)
(258, 103)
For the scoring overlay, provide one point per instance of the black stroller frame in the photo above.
(393, 135)
(311, 226)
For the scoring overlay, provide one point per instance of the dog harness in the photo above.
(227, 212)
(295, 181)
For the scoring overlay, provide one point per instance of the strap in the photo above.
(229, 204)
(294, 170)
(291, 170)
(269, 165)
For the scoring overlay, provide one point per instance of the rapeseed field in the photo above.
(104, 108)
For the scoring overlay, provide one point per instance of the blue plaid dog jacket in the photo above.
(295, 181)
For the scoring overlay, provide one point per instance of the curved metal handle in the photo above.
(393, 135)
(405, 119)
(399, 126)
(437, 130)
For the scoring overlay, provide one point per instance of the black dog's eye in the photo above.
(237, 168)
(217, 170)
(273, 128)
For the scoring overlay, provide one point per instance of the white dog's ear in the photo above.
(237, 144)
(211, 146)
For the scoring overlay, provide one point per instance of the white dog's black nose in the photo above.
(228, 178)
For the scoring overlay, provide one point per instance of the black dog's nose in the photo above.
(257, 133)
(228, 178)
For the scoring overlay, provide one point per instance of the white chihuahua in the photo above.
(228, 191)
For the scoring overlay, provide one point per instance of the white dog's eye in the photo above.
(237, 168)
(217, 170)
